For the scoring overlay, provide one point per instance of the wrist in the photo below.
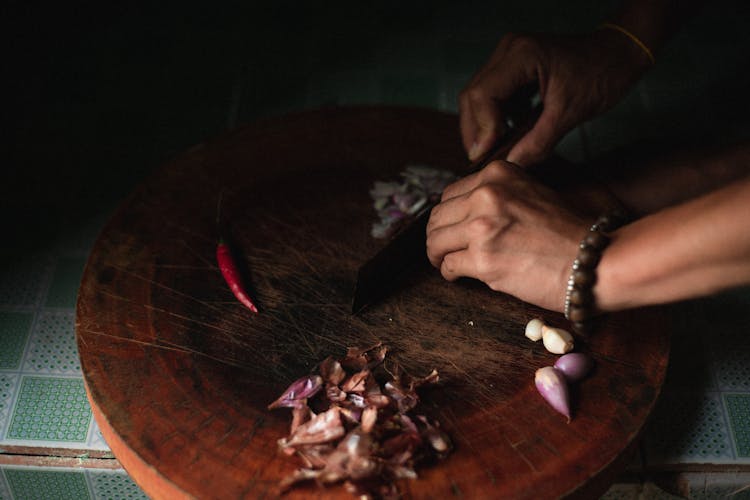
(612, 287)
(581, 303)
(634, 39)
(624, 49)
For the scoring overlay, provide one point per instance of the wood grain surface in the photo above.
(179, 374)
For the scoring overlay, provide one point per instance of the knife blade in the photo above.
(406, 249)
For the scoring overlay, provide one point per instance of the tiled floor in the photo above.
(42, 398)
(106, 92)
(45, 483)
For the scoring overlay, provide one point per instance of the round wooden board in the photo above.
(179, 374)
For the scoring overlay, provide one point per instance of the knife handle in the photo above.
(521, 113)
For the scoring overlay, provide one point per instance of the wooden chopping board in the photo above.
(179, 374)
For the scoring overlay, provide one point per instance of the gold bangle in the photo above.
(634, 38)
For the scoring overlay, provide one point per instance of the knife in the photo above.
(406, 249)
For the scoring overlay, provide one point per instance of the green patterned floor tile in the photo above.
(14, 330)
(114, 485)
(4, 488)
(8, 387)
(699, 435)
(52, 347)
(637, 491)
(46, 485)
(716, 485)
(721, 493)
(97, 441)
(732, 369)
(64, 287)
(50, 409)
(738, 407)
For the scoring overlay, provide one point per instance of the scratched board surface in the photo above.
(179, 374)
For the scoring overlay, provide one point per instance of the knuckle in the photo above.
(430, 248)
(489, 268)
(434, 259)
(488, 197)
(434, 216)
(523, 43)
(449, 262)
(483, 264)
(447, 194)
(498, 170)
(475, 93)
(481, 228)
(450, 191)
(448, 267)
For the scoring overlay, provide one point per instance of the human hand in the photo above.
(502, 228)
(578, 78)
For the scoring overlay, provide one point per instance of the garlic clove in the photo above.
(557, 340)
(575, 365)
(534, 329)
(551, 384)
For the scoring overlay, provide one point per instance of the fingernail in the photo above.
(474, 151)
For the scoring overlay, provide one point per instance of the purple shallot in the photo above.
(575, 365)
(551, 384)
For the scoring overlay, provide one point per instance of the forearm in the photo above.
(693, 249)
(647, 180)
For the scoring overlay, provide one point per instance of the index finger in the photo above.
(494, 171)
(461, 186)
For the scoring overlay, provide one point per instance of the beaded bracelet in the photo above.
(580, 304)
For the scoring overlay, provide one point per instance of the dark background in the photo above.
(97, 94)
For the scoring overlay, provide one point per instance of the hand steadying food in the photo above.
(505, 229)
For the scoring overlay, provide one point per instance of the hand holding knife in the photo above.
(379, 275)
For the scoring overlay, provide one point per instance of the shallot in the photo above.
(575, 366)
(551, 384)
(398, 200)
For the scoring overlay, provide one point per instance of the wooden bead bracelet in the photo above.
(580, 304)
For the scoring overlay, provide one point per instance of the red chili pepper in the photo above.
(232, 275)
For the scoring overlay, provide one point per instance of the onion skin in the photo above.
(575, 366)
(298, 393)
(551, 384)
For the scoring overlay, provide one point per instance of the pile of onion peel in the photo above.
(349, 427)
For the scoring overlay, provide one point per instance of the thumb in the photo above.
(480, 120)
(538, 142)
(482, 116)
(489, 127)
